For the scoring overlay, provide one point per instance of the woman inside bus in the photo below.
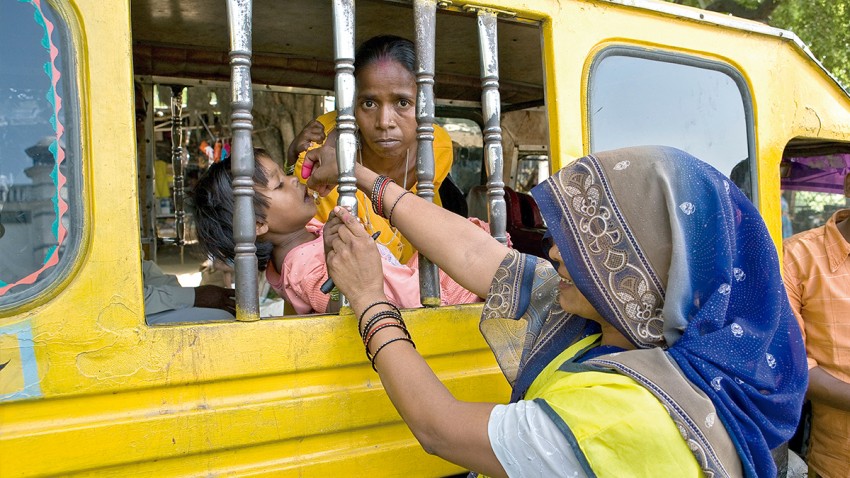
(659, 342)
(385, 107)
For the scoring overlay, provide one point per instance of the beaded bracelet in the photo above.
(375, 331)
(392, 208)
(384, 314)
(378, 350)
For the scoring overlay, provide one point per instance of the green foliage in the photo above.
(823, 24)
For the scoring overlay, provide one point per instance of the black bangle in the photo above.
(377, 195)
(377, 328)
(392, 208)
(373, 304)
(384, 314)
(396, 339)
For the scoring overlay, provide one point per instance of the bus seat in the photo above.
(452, 197)
(524, 222)
(476, 202)
(530, 212)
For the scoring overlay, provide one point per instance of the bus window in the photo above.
(40, 171)
(532, 169)
(640, 97)
(815, 183)
(468, 142)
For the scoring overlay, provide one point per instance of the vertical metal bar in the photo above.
(491, 110)
(177, 159)
(149, 221)
(425, 21)
(346, 146)
(242, 166)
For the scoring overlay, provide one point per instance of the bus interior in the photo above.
(181, 51)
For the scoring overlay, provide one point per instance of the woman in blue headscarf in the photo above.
(658, 342)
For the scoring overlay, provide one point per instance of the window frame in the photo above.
(678, 58)
(66, 38)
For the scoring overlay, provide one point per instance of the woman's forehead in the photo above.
(385, 76)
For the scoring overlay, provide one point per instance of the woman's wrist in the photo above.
(380, 324)
(365, 178)
(362, 301)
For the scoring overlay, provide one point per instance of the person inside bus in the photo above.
(289, 243)
(658, 342)
(167, 302)
(816, 270)
(385, 112)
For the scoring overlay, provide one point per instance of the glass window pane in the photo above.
(40, 176)
(646, 98)
(468, 143)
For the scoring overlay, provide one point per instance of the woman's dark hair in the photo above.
(212, 203)
(377, 48)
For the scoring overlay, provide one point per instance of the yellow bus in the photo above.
(95, 95)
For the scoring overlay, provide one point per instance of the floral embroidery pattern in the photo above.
(635, 298)
(771, 361)
(739, 274)
(737, 330)
(715, 383)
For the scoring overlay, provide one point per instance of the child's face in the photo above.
(290, 207)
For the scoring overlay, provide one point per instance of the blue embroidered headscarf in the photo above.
(673, 254)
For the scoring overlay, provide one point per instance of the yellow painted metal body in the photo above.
(296, 396)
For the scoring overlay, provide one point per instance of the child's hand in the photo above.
(314, 132)
(353, 259)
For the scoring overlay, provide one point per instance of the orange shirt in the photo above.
(817, 278)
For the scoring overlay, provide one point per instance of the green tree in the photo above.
(823, 24)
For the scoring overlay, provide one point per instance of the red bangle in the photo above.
(381, 197)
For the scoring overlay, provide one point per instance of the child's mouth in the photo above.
(312, 195)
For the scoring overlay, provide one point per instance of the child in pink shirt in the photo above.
(289, 241)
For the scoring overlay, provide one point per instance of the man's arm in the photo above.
(826, 389)
(163, 291)
(823, 387)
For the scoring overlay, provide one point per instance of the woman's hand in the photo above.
(320, 167)
(314, 132)
(353, 260)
